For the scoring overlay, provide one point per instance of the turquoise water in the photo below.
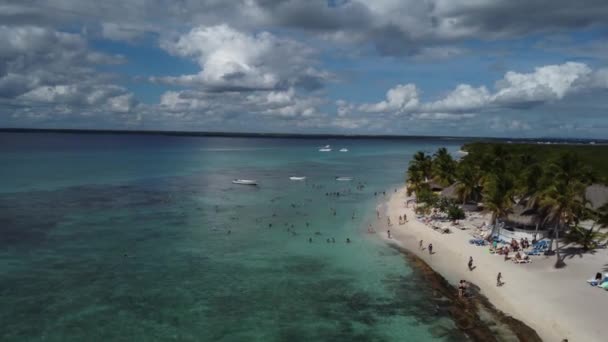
(144, 238)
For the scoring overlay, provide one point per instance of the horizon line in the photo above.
(283, 135)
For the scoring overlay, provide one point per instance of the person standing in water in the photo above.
(389, 233)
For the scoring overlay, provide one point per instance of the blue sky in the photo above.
(436, 67)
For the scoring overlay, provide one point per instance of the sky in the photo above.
(504, 68)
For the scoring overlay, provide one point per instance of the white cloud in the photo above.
(43, 67)
(515, 90)
(547, 83)
(231, 60)
(283, 104)
(463, 98)
(402, 98)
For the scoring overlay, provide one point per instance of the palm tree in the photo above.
(563, 195)
(497, 197)
(418, 172)
(468, 177)
(423, 163)
(443, 167)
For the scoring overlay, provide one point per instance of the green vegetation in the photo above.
(550, 180)
(594, 156)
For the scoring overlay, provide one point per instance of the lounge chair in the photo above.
(477, 242)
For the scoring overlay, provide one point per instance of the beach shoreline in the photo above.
(530, 293)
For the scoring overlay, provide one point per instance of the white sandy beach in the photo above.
(558, 304)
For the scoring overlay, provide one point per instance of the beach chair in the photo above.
(477, 242)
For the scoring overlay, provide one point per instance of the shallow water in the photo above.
(140, 238)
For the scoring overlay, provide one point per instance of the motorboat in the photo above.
(324, 149)
(344, 179)
(294, 178)
(245, 182)
(343, 149)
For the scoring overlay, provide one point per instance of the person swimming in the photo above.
(347, 240)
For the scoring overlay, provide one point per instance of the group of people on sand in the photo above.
(402, 219)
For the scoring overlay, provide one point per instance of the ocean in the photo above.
(145, 238)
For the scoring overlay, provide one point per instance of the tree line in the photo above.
(501, 178)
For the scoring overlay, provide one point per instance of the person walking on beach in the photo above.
(430, 248)
(420, 245)
(470, 263)
(499, 279)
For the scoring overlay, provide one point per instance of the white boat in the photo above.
(325, 149)
(343, 149)
(294, 178)
(245, 182)
(344, 179)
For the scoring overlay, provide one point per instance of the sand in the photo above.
(558, 304)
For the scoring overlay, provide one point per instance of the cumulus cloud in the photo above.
(43, 67)
(280, 104)
(462, 99)
(515, 90)
(547, 83)
(231, 60)
(254, 57)
(405, 27)
(401, 98)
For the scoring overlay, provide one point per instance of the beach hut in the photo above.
(435, 187)
(450, 192)
(523, 222)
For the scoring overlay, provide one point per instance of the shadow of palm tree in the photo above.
(569, 252)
